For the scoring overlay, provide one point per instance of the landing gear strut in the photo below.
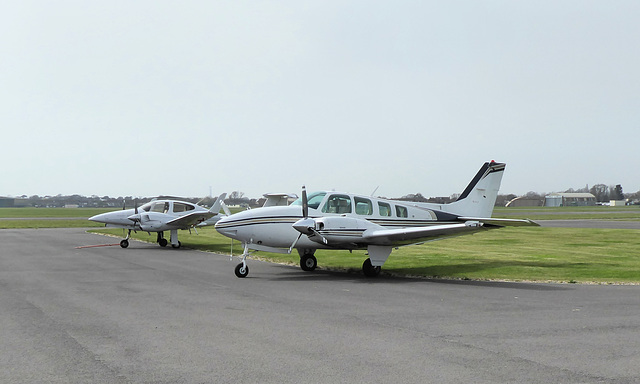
(242, 269)
(124, 243)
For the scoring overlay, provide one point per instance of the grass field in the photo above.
(514, 254)
(630, 213)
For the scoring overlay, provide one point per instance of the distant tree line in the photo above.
(602, 192)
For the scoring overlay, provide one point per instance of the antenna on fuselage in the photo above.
(374, 191)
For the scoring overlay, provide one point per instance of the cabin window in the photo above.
(384, 208)
(181, 207)
(401, 211)
(160, 207)
(337, 204)
(363, 206)
(313, 200)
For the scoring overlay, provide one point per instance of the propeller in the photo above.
(136, 218)
(305, 203)
(305, 214)
(305, 226)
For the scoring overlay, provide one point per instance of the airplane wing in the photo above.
(190, 219)
(405, 236)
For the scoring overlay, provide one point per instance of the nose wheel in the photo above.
(242, 270)
(124, 243)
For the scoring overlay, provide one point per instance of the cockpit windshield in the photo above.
(313, 199)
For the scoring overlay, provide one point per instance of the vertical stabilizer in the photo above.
(479, 198)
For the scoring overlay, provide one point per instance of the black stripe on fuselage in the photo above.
(384, 222)
(260, 221)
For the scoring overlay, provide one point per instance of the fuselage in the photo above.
(273, 226)
(153, 216)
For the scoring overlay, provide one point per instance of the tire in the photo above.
(124, 243)
(163, 242)
(308, 263)
(242, 272)
(369, 270)
(176, 246)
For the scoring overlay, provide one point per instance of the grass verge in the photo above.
(512, 254)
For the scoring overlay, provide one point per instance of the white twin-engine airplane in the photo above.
(335, 220)
(162, 215)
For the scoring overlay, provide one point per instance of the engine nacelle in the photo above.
(334, 230)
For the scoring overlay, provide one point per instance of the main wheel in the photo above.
(124, 243)
(176, 246)
(163, 242)
(308, 263)
(369, 270)
(242, 270)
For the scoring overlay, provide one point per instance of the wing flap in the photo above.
(503, 222)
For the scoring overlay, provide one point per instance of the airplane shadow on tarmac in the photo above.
(359, 278)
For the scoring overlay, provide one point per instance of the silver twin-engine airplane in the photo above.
(336, 220)
(162, 215)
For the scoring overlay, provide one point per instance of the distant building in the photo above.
(569, 200)
(7, 202)
(524, 201)
(11, 202)
(618, 203)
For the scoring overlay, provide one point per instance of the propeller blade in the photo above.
(305, 203)
(295, 242)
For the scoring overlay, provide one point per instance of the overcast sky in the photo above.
(145, 98)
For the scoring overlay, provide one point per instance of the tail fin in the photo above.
(479, 198)
(218, 204)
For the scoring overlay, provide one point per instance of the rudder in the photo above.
(479, 197)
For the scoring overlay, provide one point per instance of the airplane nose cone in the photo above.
(99, 218)
(305, 226)
(223, 227)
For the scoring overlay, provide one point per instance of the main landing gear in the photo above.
(369, 270)
(124, 243)
(308, 261)
(174, 239)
